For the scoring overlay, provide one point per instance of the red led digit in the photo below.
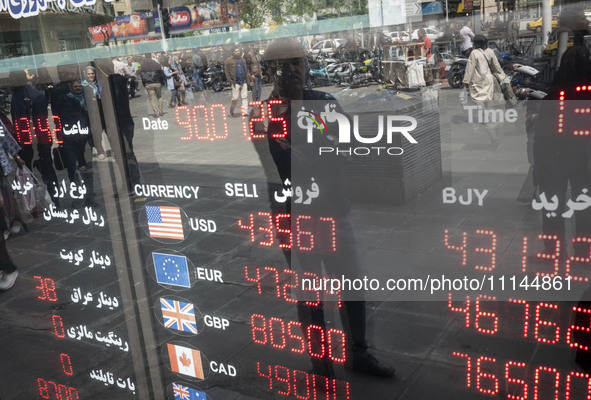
(215, 135)
(276, 280)
(256, 279)
(524, 256)
(43, 389)
(276, 322)
(492, 382)
(66, 364)
(188, 123)
(43, 130)
(196, 119)
(573, 375)
(316, 278)
(540, 322)
(259, 333)
(462, 248)
(285, 379)
(62, 392)
(283, 226)
(465, 310)
(294, 331)
(336, 339)
(41, 287)
(333, 231)
(319, 390)
(537, 381)
(587, 259)
(23, 131)
(468, 366)
(268, 229)
(57, 133)
(482, 314)
(570, 333)
(73, 394)
(345, 385)
(316, 341)
(301, 233)
(58, 326)
(248, 227)
(515, 385)
(254, 119)
(580, 112)
(283, 133)
(525, 314)
(298, 392)
(561, 113)
(488, 250)
(555, 257)
(288, 286)
(269, 375)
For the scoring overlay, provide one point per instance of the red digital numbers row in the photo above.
(543, 325)
(486, 375)
(41, 129)
(284, 281)
(202, 125)
(302, 385)
(310, 232)
(552, 259)
(52, 390)
(289, 335)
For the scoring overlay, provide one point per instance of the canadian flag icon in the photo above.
(185, 360)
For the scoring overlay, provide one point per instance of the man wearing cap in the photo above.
(237, 72)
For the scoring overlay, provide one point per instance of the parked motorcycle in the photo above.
(215, 78)
(456, 72)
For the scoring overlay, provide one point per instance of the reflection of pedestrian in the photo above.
(239, 76)
(254, 64)
(92, 93)
(284, 150)
(482, 85)
(8, 148)
(29, 110)
(153, 79)
(76, 129)
(467, 36)
(561, 158)
(171, 82)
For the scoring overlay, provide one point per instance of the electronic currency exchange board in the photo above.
(262, 256)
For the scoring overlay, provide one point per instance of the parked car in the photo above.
(536, 25)
(432, 34)
(327, 47)
(398, 36)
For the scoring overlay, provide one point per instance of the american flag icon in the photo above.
(165, 222)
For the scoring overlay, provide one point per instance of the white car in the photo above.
(432, 34)
(327, 47)
(398, 36)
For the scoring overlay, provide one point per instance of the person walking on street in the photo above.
(467, 36)
(239, 76)
(482, 71)
(197, 66)
(171, 82)
(153, 79)
(254, 63)
(131, 71)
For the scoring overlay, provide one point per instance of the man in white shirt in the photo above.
(467, 35)
(119, 67)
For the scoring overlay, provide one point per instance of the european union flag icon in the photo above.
(171, 269)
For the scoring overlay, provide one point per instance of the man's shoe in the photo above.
(367, 364)
(8, 280)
